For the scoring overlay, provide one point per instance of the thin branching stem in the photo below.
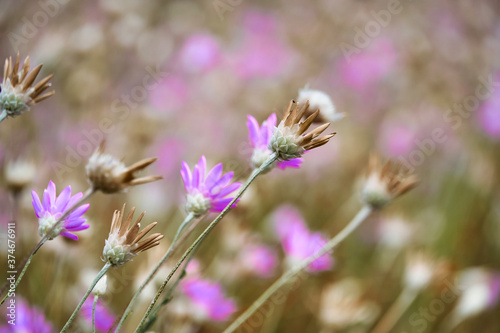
(103, 271)
(189, 218)
(286, 277)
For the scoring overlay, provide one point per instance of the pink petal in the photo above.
(63, 199)
(36, 204)
(186, 176)
(214, 175)
(253, 129)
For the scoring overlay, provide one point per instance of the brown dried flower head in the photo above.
(124, 241)
(384, 183)
(109, 175)
(17, 93)
(288, 140)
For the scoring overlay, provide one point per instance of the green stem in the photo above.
(25, 268)
(200, 239)
(93, 312)
(168, 296)
(42, 241)
(103, 271)
(3, 115)
(397, 309)
(190, 217)
(355, 222)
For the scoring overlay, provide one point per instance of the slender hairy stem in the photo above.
(152, 316)
(355, 222)
(190, 217)
(103, 271)
(24, 265)
(397, 309)
(200, 239)
(168, 295)
(93, 312)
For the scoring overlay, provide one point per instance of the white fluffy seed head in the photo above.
(318, 100)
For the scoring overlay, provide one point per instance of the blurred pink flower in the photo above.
(27, 319)
(262, 53)
(489, 113)
(171, 94)
(259, 259)
(396, 138)
(364, 69)
(103, 317)
(298, 242)
(260, 23)
(208, 298)
(169, 152)
(200, 52)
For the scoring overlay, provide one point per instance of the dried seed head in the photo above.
(385, 183)
(109, 175)
(124, 241)
(17, 93)
(288, 140)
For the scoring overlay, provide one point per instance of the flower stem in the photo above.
(93, 312)
(355, 222)
(103, 271)
(3, 115)
(397, 309)
(168, 296)
(44, 239)
(190, 217)
(204, 234)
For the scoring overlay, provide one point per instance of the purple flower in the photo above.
(298, 242)
(260, 137)
(104, 319)
(27, 320)
(54, 207)
(207, 192)
(208, 298)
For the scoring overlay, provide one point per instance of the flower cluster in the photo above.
(17, 93)
(207, 192)
(54, 207)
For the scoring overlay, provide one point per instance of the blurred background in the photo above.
(417, 81)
